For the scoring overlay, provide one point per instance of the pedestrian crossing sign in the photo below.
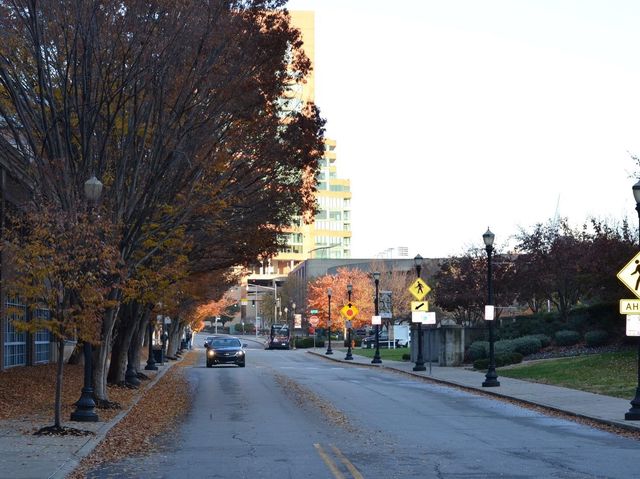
(630, 275)
(419, 289)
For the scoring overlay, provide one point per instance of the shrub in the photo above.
(567, 338)
(356, 341)
(478, 350)
(481, 364)
(504, 346)
(508, 358)
(544, 340)
(597, 337)
(501, 360)
(527, 345)
(406, 357)
(303, 343)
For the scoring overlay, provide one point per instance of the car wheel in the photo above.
(241, 365)
(209, 365)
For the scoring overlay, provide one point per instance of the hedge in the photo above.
(544, 339)
(303, 343)
(527, 345)
(478, 350)
(567, 338)
(597, 337)
(501, 360)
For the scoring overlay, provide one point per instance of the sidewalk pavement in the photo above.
(595, 407)
(25, 456)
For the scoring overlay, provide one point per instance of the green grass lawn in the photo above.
(390, 354)
(612, 374)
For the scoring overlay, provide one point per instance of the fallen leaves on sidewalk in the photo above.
(28, 393)
(158, 411)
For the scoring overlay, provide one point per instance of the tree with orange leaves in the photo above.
(361, 297)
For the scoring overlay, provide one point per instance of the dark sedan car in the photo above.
(225, 350)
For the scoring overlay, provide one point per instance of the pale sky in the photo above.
(454, 115)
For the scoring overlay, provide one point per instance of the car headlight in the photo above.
(240, 353)
(211, 353)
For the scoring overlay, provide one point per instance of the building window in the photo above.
(42, 339)
(15, 342)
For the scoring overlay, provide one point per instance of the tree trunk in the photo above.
(172, 347)
(137, 341)
(76, 355)
(57, 421)
(120, 352)
(104, 349)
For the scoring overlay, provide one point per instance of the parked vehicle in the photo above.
(279, 337)
(225, 350)
(383, 340)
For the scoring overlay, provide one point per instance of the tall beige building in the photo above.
(329, 235)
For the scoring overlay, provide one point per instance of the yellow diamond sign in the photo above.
(630, 275)
(419, 289)
(349, 311)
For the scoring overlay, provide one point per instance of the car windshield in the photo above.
(225, 343)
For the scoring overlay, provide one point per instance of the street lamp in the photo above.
(329, 350)
(286, 319)
(349, 355)
(420, 359)
(634, 412)
(293, 325)
(86, 406)
(151, 362)
(376, 357)
(491, 378)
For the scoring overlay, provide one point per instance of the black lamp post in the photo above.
(293, 326)
(151, 362)
(86, 406)
(349, 355)
(491, 378)
(634, 412)
(329, 350)
(420, 359)
(376, 357)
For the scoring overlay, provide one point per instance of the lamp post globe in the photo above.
(86, 406)
(376, 357)
(349, 355)
(329, 293)
(491, 378)
(634, 412)
(420, 358)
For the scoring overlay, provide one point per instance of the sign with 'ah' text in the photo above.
(630, 306)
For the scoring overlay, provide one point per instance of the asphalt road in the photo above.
(289, 414)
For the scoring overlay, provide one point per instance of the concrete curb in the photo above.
(488, 392)
(72, 463)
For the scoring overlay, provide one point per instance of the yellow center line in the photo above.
(330, 464)
(352, 469)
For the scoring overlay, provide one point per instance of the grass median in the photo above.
(388, 354)
(612, 374)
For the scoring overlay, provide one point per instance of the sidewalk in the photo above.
(595, 407)
(25, 456)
